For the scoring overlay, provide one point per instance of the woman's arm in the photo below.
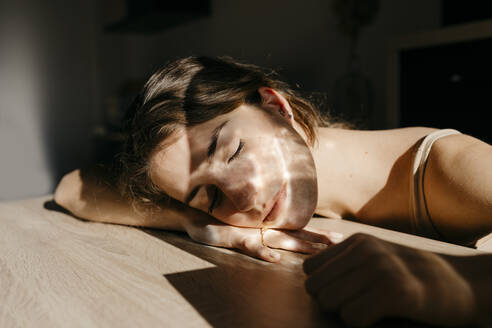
(458, 188)
(87, 194)
(365, 279)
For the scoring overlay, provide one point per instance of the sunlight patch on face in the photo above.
(283, 162)
(257, 179)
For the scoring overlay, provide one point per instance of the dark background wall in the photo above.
(59, 69)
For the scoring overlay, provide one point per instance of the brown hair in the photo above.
(187, 92)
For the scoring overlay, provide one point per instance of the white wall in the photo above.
(48, 92)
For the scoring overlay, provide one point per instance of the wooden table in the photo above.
(59, 271)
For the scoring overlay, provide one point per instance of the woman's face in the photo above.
(247, 168)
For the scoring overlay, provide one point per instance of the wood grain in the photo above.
(59, 271)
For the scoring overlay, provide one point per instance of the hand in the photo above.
(249, 240)
(365, 279)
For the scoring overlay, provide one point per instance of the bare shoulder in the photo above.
(409, 135)
(458, 187)
(389, 142)
(459, 146)
(460, 157)
(378, 163)
(461, 161)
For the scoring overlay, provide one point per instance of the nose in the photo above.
(243, 194)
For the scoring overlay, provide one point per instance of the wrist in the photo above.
(191, 219)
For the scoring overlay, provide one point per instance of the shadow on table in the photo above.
(244, 292)
(53, 206)
(248, 298)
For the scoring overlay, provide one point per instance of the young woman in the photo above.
(230, 154)
(212, 141)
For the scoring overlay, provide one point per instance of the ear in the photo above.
(272, 100)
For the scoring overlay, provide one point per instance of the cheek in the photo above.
(227, 213)
(260, 177)
(262, 165)
(303, 187)
(244, 174)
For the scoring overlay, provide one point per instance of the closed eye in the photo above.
(238, 151)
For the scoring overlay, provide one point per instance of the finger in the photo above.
(334, 237)
(281, 240)
(252, 247)
(267, 254)
(314, 262)
(343, 288)
(336, 267)
(316, 236)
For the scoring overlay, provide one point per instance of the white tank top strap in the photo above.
(421, 222)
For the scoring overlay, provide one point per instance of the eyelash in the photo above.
(214, 202)
(238, 151)
(215, 197)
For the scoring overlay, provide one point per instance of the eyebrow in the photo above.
(215, 137)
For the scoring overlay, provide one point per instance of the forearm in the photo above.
(88, 194)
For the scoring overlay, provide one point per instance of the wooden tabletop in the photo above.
(59, 271)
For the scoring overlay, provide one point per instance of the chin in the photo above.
(302, 217)
(301, 205)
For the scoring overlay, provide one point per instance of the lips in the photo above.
(274, 210)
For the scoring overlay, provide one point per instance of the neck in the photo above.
(328, 152)
(365, 174)
(346, 164)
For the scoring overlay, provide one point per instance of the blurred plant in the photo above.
(353, 92)
(352, 15)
